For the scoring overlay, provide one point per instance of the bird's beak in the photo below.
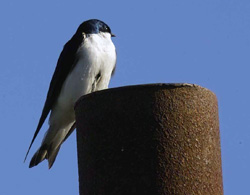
(113, 35)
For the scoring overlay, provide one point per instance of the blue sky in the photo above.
(203, 42)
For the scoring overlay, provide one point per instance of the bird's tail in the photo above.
(45, 152)
(50, 146)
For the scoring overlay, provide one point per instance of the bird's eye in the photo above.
(105, 28)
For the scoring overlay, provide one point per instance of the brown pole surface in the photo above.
(149, 139)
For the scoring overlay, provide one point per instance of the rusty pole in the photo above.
(149, 139)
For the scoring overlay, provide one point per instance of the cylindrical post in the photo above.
(149, 139)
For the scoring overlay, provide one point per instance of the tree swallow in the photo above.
(85, 65)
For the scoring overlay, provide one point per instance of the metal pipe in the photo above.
(149, 139)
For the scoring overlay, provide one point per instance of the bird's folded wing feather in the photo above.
(65, 64)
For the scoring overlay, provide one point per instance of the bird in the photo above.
(85, 65)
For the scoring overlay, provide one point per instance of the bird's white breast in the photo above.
(95, 55)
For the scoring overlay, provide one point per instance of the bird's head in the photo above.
(94, 26)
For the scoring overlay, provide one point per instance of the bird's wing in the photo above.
(65, 64)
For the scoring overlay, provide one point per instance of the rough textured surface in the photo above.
(149, 139)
